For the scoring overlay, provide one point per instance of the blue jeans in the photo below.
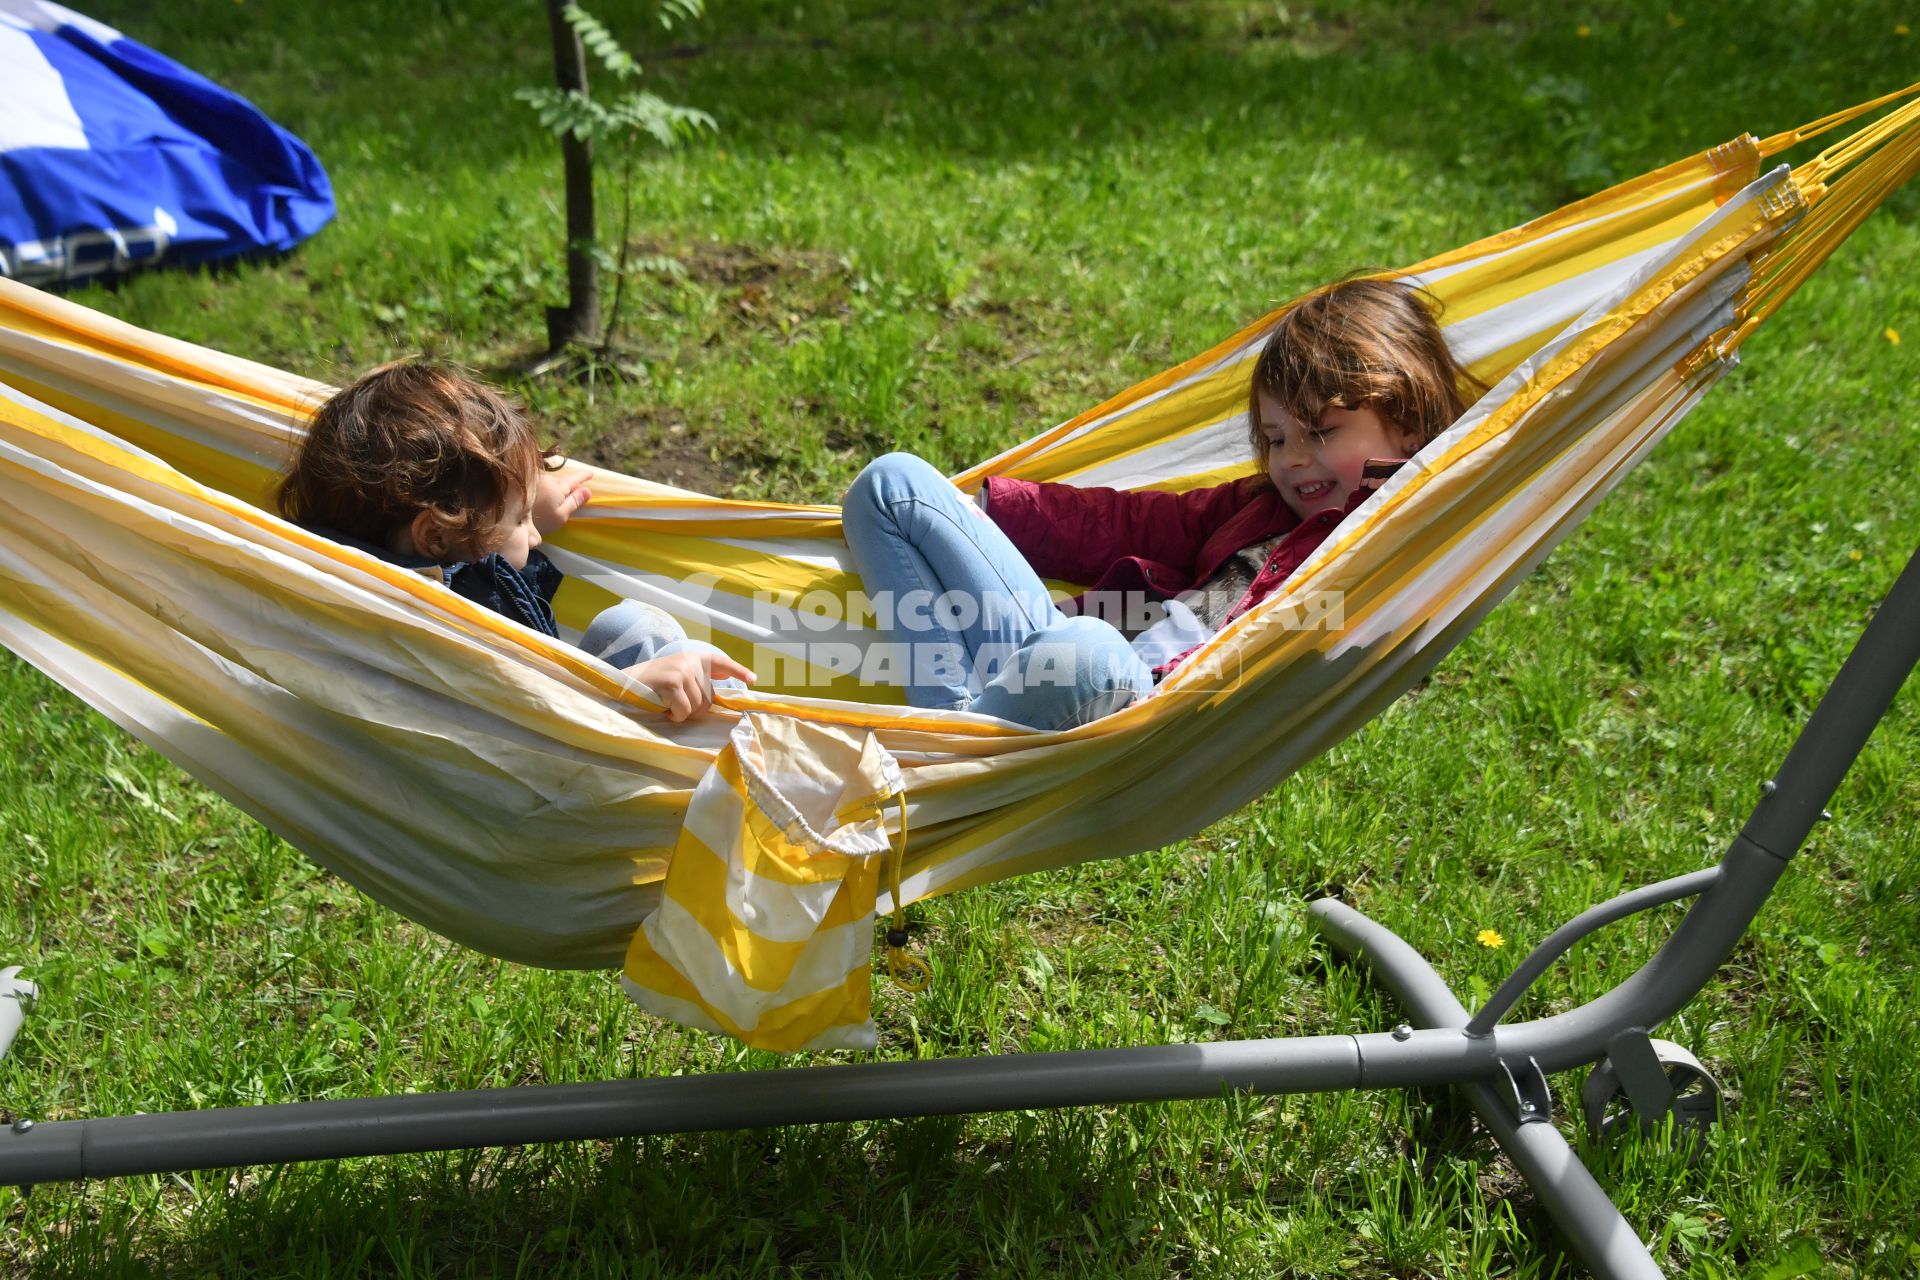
(976, 627)
(631, 632)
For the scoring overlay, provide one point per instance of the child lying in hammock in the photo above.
(1355, 374)
(425, 467)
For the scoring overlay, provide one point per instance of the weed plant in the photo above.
(944, 228)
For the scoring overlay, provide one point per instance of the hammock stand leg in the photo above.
(1502, 1068)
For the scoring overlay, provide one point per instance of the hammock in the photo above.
(507, 791)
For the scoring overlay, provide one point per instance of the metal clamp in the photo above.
(1528, 1094)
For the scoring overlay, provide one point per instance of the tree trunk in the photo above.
(579, 320)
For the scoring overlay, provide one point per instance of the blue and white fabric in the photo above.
(112, 157)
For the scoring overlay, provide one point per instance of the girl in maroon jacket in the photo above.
(1353, 379)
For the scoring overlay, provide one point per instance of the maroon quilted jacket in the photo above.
(1157, 543)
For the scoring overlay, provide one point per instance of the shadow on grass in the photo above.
(905, 1198)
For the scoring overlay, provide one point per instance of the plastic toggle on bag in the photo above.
(765, 926)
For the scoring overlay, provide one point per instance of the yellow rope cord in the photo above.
(1793, 137)
(1824, 166)
(909, 972)
(1843, 208)
(1877, 159)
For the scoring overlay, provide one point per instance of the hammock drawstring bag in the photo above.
(764, 930)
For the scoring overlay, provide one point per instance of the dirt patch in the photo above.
(662, 448)
(729, 298)
(759, 288)
(757, 276)
(687, 462)
(734, 265)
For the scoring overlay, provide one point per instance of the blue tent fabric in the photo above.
(113, 156)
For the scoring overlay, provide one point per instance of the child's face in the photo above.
(514, 537)
(1318, 468)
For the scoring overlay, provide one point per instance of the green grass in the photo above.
(946, 228)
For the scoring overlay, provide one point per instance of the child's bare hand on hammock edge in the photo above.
(684, 681)
(557, 495)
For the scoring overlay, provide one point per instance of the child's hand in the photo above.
(684, 681)
(556, 497)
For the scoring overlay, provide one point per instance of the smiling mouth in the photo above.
(1313, 492)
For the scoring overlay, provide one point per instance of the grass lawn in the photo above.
(945, 228)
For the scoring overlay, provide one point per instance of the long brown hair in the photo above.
(1356, 342)
(409, 437)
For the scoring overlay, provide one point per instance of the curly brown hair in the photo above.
(1361, 342)
(408, 437)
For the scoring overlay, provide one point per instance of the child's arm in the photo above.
(1068, 532)
(684, 681)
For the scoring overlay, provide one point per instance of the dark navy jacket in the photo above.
(526, 595)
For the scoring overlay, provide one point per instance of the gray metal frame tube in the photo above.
(1404, 972)
(1881, 661)
(271, 1134)
(1601, 1236)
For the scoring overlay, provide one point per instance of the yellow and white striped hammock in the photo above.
(521, 798)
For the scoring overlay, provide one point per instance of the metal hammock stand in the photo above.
(1500, 1067)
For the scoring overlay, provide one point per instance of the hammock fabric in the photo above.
(521, 798)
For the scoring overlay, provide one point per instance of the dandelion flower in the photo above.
(1891, 334)
(1583, 31)
(1853, 555)
(1490, 939)
(1900, 28)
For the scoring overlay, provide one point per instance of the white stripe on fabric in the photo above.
(706, 511)
(39, 112)
(223, 425)
(1544, 309)
(1531, 244)
(13, 395)
(1194, 452)
(1227, 360)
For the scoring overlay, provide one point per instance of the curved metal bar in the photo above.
(1561, 940)
(1403, 971)
(1665, 984)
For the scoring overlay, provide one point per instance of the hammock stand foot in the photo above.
(1517, 1112)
